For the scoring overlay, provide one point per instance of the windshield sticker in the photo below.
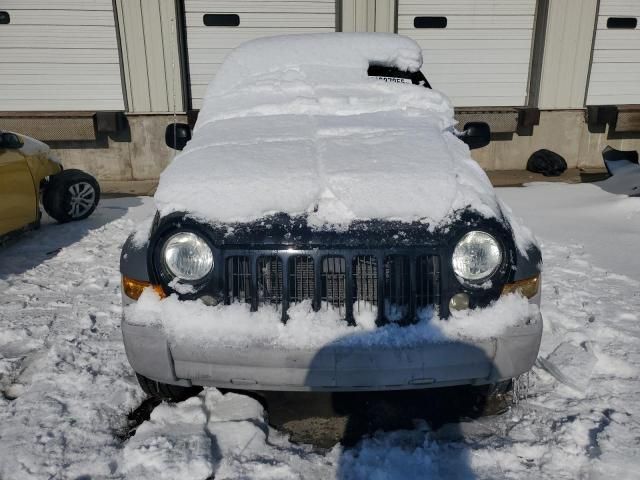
(395, 79)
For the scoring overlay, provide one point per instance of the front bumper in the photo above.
(334, 368)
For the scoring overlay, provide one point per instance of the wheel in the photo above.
(71, 195)
(165, 391)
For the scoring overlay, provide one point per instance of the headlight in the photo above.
(476, 256)
(187, 256)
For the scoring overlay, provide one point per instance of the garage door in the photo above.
(214, 27)
(615, 68)
(59, 55)
(476, 51)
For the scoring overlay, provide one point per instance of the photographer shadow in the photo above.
(403, 430)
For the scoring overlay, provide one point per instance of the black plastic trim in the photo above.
(221, 20)
(620, 23)
(284, 236)
(430, 22)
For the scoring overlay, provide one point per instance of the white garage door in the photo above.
(478, 52)
(233, 22)
(59, 55)
(615, 68)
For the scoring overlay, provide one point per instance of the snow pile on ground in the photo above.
(311, 134)
(67, 388)
(194, 323)
(214, 434)
(65, 382)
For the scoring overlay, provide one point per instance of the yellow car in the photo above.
(29, 175)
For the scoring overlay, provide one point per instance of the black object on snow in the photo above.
(546, 162)
(614, 159)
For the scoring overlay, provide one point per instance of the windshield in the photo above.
(394, 74)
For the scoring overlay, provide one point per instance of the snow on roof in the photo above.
(355, 51)
(294, 124)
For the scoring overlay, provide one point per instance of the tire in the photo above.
(165, 391)
(71, 195)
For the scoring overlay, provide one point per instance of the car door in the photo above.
(18, 200)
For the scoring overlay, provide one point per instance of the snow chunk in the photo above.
(142, 232)
(235, 326)
(172, 444)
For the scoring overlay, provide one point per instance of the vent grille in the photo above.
(269, 281)
(333, 283)
(397, 288)
(393, 288)
(365, 284)
(238, 282)
(301, 278)
(428, 281)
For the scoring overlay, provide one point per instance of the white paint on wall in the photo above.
(483, 56)
(59, 55)
(615, 67)
(208, 46)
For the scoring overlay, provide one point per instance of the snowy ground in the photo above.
(67, 388)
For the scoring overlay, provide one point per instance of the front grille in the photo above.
(392, 288)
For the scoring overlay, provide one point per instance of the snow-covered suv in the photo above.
(326, 229)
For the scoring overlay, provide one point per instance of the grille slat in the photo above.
(428, 284)
(394, 288)
(238, 282)
(269, 281)
(333, 283)
(397, 285)
(365, 283)
(301, 278)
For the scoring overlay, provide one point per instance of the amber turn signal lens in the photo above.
(527, 287)
(133, 288)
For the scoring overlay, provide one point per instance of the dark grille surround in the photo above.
(395, 286)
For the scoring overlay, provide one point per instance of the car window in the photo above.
(394, 74)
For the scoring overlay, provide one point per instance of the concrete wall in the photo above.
(139, 156)
(562, 131)
(144, 157)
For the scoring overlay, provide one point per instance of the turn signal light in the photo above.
(527, 287)
(133, 288)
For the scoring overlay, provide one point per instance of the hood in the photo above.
(334, 169)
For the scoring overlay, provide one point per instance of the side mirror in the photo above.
(10, 140)
(476, 134)
(177, 135)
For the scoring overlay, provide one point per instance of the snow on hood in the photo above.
(293, 124)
